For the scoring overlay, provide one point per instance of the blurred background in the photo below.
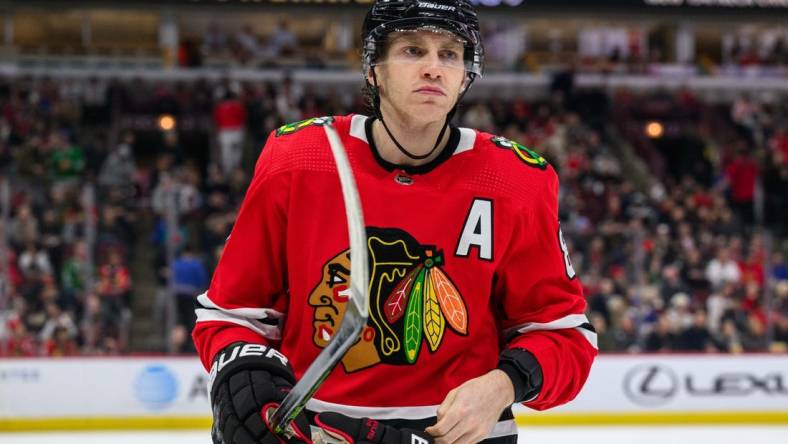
(667, 121)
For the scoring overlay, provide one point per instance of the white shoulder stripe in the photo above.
(467, 140)
(357, 127)
(268, 331)
(253, 313)
(570, 321)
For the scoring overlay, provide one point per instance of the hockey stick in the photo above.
(357, 309)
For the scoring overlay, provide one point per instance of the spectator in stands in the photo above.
(662, 338)
(34, 261)
(745, 114)
(19, 342)
(67, 161)
(23, 228)
(283, 42)
(671, 284)
(248, 44)
(753, 338)
(56, 319)
(190, 278)
(752, 300)
(214, 40)
(95, 106)
(780, 342)
(694, 273)
(722, 269)
(775, 182)
(478, 116)
(718, 304)
(113, 288)
(752, 268)
(779, 271)
(73, 273)
(91, 326)
(696, 337)
(117, 174)
(286, 100)
(605, 339)
(61, 343)
(741, 175)
(729, 339)
(229, 118)
(625, 336)
(778, 144)
(679, 313)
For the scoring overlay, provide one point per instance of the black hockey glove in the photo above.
(335, 427)
(248, 380)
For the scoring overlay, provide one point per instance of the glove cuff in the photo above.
(525, 372)
(243, 356)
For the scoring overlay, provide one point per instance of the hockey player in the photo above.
(474, 304)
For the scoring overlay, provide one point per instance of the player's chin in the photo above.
(427, 110)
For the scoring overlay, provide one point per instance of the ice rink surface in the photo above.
(553, 435)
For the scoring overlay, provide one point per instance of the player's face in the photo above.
(422, 74)
(330, 298)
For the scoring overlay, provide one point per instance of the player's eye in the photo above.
(336, 275)
(449, 55)
(413, 51)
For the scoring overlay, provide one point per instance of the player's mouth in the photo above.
(430, 91)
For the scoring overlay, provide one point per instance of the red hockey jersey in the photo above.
(466, 257)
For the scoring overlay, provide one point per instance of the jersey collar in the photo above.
(448, 151)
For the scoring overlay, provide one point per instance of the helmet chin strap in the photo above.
(379, 115)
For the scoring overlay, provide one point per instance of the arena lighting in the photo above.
(654, 129)
(166, 122)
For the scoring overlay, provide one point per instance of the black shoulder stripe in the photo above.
(587, 326)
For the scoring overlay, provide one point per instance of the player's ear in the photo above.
(465, 82)
(370, 78)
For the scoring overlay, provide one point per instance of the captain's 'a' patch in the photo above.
(527, 155)
(291, 128)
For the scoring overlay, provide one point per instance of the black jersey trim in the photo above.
(445, 154)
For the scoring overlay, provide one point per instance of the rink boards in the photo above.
(166, 393)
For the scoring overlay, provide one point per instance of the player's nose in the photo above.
(431, 66)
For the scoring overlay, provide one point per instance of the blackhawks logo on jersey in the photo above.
(412, 301)
(527, 155)
(290, 128)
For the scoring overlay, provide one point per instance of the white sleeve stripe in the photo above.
(265, 330)
(252, 313)
(570, 321)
